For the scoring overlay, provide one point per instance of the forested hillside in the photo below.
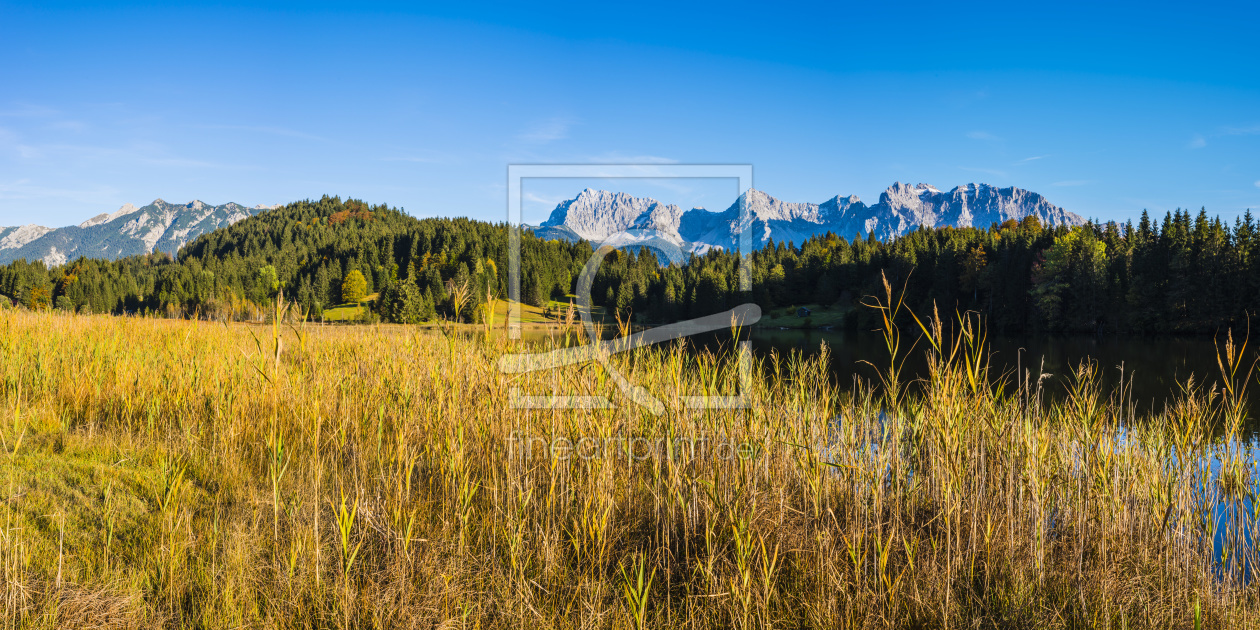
(305, 249)
(1184, 274)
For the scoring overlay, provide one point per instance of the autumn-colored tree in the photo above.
(38, 299)
(358, 213)
(354, 287)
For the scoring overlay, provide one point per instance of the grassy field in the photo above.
(160, 473)
(552, 313)
(343, 313)
(819, 317)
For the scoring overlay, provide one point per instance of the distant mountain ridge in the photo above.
(158, 226)
(597, 215)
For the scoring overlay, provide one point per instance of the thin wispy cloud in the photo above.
(1071, 182)
(146, 153)
(680, 187)
(542, 200)
(1258, 183)
(25, 190)
(618, 158)
(68, 125)
(25, 110)
(422, 160)
(1030, 159)
(424, 156)
(271, 131)
(1242, 131)
(536, 207)
(986, 171)
(546, 131)
(1197, 142)
(184, 162)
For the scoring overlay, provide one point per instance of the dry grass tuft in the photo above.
(163, 473)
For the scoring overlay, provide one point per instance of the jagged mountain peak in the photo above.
(900, 191)
(15, 237)
(843, 200)
(99, 219)
(763, 207)
(158, 226)
(917, 189)
(597, 215)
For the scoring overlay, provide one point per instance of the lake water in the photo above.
(1155, 370)
(1154, 367)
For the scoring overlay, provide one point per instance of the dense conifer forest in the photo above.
(1183, 274)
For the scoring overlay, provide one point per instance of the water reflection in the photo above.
(1210, 505)
(1155, 367)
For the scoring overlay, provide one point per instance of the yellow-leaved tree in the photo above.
(354, 287)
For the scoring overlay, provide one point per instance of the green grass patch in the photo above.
(350, 312)
(91, 499)
(819, 316)
(552, 313)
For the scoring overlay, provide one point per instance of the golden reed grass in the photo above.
(161, 473)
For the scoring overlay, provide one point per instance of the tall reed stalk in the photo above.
(403, 491)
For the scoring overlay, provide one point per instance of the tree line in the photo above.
(1184, 274)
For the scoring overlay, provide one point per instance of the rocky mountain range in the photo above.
(598, 216)
(159, 226)
(624, 221)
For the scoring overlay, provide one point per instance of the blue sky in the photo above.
(1105, 111)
